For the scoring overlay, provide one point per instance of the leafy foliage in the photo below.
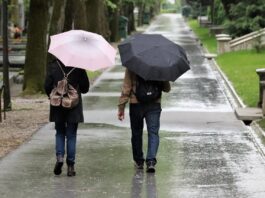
(246, 17)
(219, 15)
(186, 11)
(110, 4)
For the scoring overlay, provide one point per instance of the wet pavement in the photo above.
(204, 150)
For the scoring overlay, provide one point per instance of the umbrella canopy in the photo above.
(154, 57)
(86, 50)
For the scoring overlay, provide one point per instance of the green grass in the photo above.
(262, 123)
(208, 40)
(240, 68)
(93, 75)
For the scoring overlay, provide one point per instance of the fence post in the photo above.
(261, 74)
(223, 44)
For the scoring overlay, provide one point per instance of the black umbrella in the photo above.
(153, 57)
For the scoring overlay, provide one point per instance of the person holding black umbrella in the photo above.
(140, 111)
(151, 60)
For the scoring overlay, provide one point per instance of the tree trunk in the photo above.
(140, 14)
(114, 22)
(57, 21)
(80, 19)
(96, 17)
(5, 67)
(227, 5)
(127, 10)
(14, 12)
(69, 15)
(157, 7)
(35, 64)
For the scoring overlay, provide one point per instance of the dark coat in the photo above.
(78, 78)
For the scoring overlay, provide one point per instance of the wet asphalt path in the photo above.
(204, 150)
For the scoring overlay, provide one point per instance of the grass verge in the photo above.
(240, 68)
(207, 40)
(92, 76)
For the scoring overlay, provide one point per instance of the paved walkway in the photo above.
(204, 152)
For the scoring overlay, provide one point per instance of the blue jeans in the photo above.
(151, 113)
(66, 132)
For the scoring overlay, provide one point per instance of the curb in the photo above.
(256, 132)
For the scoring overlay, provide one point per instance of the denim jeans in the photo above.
(66, 132)
(151, 113)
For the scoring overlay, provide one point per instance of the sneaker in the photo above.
(71, 171)
(58, 168)
(139, 165)
(150, 167)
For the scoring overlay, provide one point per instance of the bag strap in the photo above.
(65, 75)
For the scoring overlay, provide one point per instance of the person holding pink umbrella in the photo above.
(66, 120)
(75, 52)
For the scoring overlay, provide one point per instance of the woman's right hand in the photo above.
(121, 115)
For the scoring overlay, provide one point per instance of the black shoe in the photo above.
(139, 164)
(150, 167)
(71, 171)
(58, 168)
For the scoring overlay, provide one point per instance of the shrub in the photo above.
(246, 17)
(186, 11)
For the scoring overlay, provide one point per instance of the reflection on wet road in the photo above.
(205, 151)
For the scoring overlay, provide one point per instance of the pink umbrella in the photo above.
(82, 49)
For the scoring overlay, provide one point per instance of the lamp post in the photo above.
(7, 100)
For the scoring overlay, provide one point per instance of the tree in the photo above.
(7, 99)
(66, 14)
(96, 17)
(247, 16)
(217, 13)
(150, 7)
(80, 17)
(75, 15)
(69, 15)
(14, 12)
(127, 9)
(35, 63)
(227, 5)
(114, 14)
(57, 17)
(56, 21)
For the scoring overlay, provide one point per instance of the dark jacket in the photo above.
(78, 78)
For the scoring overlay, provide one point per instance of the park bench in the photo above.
(16, 54)
(248, 114)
